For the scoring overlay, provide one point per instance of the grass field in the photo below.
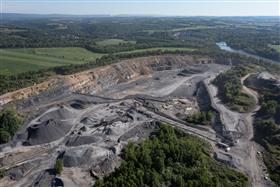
(10, 30)
(159, 48)
(22, 60)
(276, 47)
(108, 42)
(58, 26)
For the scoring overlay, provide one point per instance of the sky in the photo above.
(145, 7)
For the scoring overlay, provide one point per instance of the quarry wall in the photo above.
(96, 79)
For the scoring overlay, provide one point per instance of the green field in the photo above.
(108, 42)
(276, 47)
(58, 26)
(22, 60)
(159, 48)
(11, 30)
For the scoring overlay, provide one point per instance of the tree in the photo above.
(4, 136)
(203, 117)
(179, 181)
(130, 152)
(209, 116)
(9, 124)
(200, 118)
(2, 173)
(9, 121)
(270, 107)
(159, 163)
(58, 166)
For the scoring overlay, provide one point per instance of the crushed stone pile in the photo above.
(47, 131)
(82, 140)
(90, 121)
(61, 113)
(83, 156)
(20, 171)
(108, 165)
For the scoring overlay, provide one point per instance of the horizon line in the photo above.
(147, 15)
(143, 1)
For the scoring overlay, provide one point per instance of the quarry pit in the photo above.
(88, 118)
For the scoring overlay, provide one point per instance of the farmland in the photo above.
(39, 58)
(108, 42)
(8, 30)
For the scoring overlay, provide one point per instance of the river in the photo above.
(225, 47)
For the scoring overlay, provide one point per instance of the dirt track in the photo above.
(253, 161)
(244, 152)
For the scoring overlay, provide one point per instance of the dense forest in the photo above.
(171, 158)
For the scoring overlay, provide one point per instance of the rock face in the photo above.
(27, 92)
(103, 77)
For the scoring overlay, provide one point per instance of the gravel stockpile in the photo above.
(82, 140)
(61, 113)
(20, 171)
(140, 132)
(83, 156)
(107, 166)
(90, 121)
(74, 157)
(47, 131)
